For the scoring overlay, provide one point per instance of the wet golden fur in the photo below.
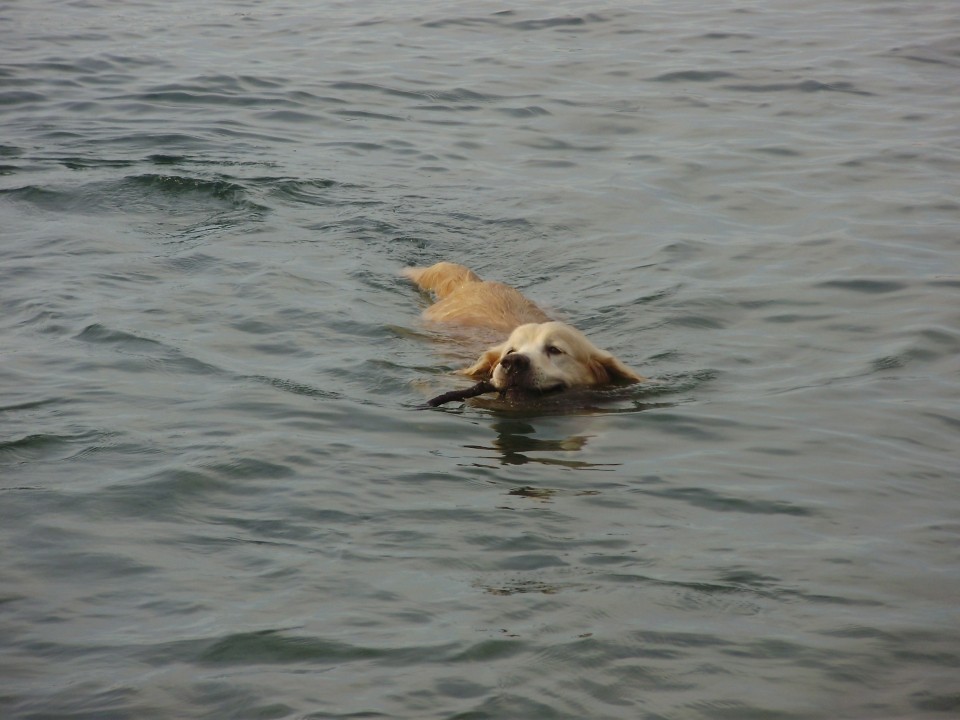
(539, 354)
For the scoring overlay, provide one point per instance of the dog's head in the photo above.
(543, 357)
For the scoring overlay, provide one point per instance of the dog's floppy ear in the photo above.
(484, 366)
(607, 369)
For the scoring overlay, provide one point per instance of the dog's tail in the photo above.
(441, 279)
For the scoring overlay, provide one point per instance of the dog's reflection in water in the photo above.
(513, 423)
(514, 443)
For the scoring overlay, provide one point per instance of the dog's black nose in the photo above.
(515, 362)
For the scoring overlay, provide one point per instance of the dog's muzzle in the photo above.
(513, 372)
(517, 377)
(515, 364)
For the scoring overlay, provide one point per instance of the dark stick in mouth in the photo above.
(484, 386)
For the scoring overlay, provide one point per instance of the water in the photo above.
(220, 495)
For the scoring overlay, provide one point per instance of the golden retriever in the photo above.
(540, 355)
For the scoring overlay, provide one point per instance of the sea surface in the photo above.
(221, 495)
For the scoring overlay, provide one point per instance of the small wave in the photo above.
(177, 184)
(151, 354)
(88, 163)
(289, 116)
(21, 97)
(97, 333)
(711, 500)
(694, 76)
(217, 91)
(524, 112)
(32, 447)
(554, 22)
(272, 647)
(454, 95)
(943, 52)
(870, 286)
(45, 446)
(299, 191)
(367, 115)
(805, 86)
(40, 197)
(297, 388)
(146, 192)
(505, 20)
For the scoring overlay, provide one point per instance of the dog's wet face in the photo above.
(536, 362)
(546, 357)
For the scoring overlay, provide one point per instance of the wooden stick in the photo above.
(484, 386)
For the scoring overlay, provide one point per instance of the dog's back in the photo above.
(465, 299)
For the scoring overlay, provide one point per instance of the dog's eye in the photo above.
(553, 350)
(511, 350)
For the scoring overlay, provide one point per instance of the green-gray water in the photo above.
(219, 494)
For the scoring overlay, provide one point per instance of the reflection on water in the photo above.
(514, 443)
(585, 401)
(513, 423)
